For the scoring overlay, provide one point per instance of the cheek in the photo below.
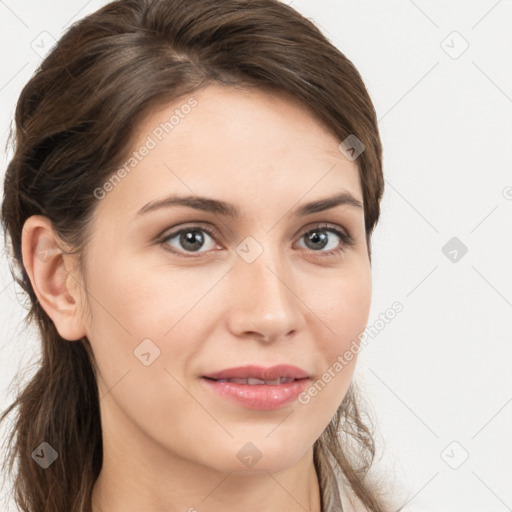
(344, 306)
(351, 307)
(131, 305)
(142, 334)
(341, 315)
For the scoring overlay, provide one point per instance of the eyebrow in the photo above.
(230, 210)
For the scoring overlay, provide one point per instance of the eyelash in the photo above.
(346, 239)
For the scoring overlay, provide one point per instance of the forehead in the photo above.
(244, 146)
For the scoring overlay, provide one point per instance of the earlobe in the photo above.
(53, 282)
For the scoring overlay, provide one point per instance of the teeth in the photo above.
(253, 381)
(243, 381)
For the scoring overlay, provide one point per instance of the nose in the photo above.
(263, 303)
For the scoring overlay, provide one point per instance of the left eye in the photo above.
(319, 236)
(192, 239)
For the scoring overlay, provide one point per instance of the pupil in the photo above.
(190, 239)
(316, 237)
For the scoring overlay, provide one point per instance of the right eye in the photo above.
(190, 239)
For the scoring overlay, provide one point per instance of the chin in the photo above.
(262, 456)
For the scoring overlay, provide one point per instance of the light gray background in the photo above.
(438, 375)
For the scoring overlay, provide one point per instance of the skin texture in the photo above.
(171, 444)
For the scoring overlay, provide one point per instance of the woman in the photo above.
(190, 205)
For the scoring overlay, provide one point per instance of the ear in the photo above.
(53, 279)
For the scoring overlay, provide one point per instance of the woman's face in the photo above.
(168, 309)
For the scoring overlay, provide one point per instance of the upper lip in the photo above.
(259, 372)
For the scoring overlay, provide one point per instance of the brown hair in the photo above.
(74, 121)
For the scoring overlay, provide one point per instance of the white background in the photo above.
(438, 373)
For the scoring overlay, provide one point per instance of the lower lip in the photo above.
(259, 396)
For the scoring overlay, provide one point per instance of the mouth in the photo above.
(257, 387)
(253, 375)
(255, 382)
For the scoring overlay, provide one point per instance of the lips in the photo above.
(254, 381)
(255, 387)
(252, 375)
